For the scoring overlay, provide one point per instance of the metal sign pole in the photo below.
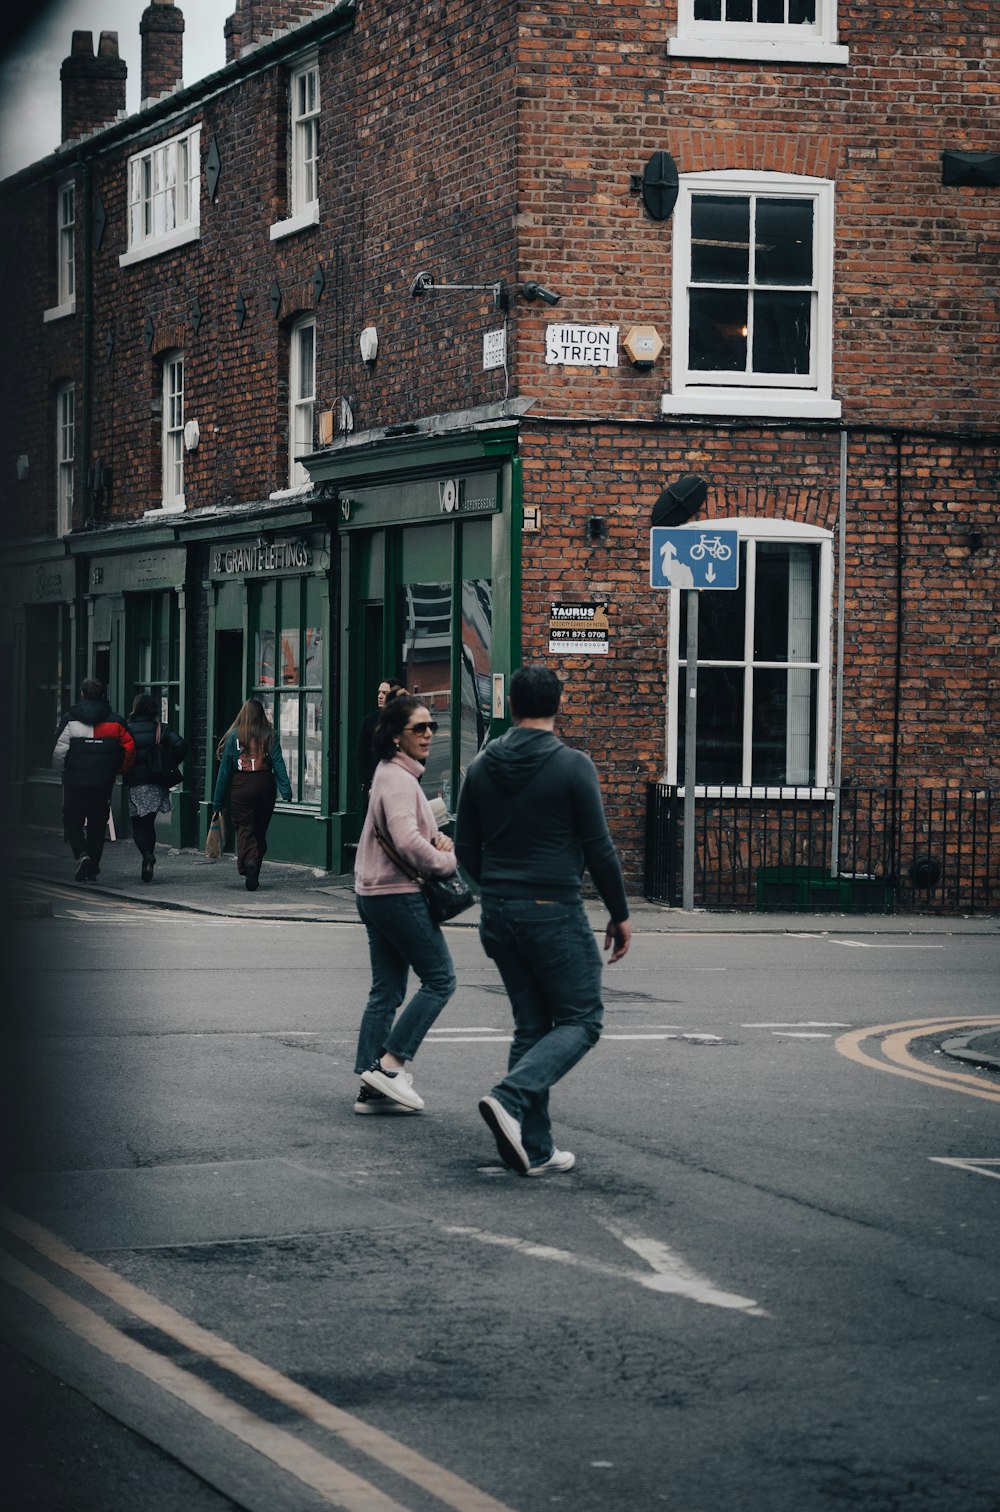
(690, 744)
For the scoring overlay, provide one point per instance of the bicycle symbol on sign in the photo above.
(712, 546)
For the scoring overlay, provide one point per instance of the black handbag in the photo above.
(160, 764)
(446, 896)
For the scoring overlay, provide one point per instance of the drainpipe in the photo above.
(838, 723)
(86, 384)
(898, 670)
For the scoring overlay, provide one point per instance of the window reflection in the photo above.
(426, 662)
(476, 662)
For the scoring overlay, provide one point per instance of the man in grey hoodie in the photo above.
(530, 819)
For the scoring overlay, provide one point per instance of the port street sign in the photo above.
(698, 559)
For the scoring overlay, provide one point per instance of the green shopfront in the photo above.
(428, 594)
(269, 617)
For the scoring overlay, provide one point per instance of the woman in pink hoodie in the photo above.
(394, 911)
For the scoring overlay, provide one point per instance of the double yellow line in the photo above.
(895, 1040)
(334, 1483)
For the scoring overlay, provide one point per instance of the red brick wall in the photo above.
(949, 684)
(916, 334)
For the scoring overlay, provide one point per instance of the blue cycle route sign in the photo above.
(687, 558)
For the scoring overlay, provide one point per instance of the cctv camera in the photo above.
(421, 284)
(534, 290)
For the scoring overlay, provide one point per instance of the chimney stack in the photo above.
(162, 32)
(93, 89)
(254, 19)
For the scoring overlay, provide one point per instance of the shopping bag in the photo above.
(216, 838)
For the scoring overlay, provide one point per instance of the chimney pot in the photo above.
(93, 88)
(162, 33)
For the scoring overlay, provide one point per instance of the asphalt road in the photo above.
(770, 1285)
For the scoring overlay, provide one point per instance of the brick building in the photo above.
(374, 352)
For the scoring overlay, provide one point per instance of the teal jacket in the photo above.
(230, 752)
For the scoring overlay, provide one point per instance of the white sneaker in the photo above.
(395, 1084)
(559, 1160)
(507, 1133)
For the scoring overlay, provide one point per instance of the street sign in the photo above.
(687, 558)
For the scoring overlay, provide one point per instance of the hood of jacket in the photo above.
(514, 759)
(92, 711)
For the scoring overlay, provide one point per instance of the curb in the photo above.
(961, 1049)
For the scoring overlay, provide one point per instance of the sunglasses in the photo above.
(423, 727)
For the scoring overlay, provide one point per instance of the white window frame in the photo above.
(301, 399)
(65, 253)
(172, 435)
(65, 456)
(303, 149)
(787, 396)
(752, 532)
(164, 197)
(759, 41)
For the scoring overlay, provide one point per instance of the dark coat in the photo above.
(143, 732)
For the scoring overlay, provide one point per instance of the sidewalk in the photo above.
(185, 880)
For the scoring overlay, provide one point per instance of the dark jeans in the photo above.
(551, 967)
(401, 936)
(251, 804)
(85, 821)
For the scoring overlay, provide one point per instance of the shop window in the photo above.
(173, 431)
(65, 456)
(763, 665)
(797, 31)
(753, 296)
(153, 650)
(288, 677)
(302, 398)
(65, 253)
(303, 150)
(476, 668)
(48, 674)
(164, 204)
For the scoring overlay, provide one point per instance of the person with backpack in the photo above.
(92, 747)
(158, 754)
(251, 775)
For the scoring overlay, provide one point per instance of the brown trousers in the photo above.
(251, 804)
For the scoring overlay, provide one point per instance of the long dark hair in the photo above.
(145, 705)
(392, 722)
(252, 726)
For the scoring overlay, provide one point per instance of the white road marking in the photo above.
(799, 1024)
(884, 945)
(978, 1167)
(799, 1034)
(668, 1273)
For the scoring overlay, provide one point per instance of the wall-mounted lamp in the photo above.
(424, 284)
(680, 500)
(368, 341)
(533, 290)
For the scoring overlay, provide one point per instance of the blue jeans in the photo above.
(551, 967)
(401, 936)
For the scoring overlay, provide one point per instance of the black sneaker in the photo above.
(84, 871)
(251, 875)
(371, 1100)
(148, 862)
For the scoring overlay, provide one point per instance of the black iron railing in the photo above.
(848, 849)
